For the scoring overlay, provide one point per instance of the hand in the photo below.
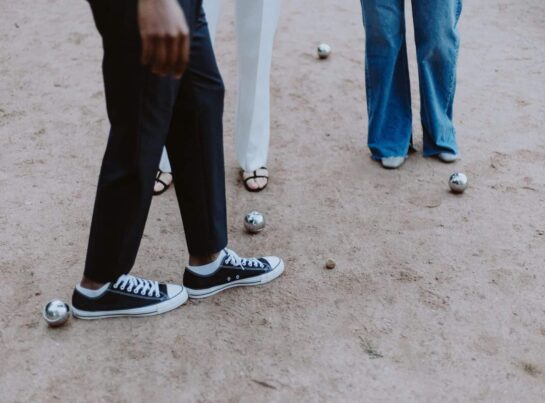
(165, 36)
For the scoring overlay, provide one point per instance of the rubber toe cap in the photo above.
(173, 290)
(274, 261)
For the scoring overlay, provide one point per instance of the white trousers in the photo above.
(256, 22)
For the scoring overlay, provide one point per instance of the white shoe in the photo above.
(448, 157)
(392, 162)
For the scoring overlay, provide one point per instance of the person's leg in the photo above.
(387, 78)
(164, 175)
(256, 27)
(195, 147)
(212, 8)
(139, 106)
(437, 43)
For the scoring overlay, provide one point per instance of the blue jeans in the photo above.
(387, 74)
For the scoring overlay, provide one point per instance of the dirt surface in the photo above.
(435, 297)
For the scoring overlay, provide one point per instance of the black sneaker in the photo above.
(128, 296)
(234, 271)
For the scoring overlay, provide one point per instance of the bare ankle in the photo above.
(202, 260)
(90, 284)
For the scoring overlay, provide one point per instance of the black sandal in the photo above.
(159, 180)
(255, 175)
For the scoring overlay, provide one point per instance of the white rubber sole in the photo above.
(258, 280)
(166, 306)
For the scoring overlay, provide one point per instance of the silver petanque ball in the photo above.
(458, 182)
(254, 222)
(56, 312)
(324, 50)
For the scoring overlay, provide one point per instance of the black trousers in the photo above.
(146, 112)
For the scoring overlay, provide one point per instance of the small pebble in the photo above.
(330, 264)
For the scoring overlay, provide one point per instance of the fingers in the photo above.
(166, 55)
(156, 54)
(146, 51)
(159, 62)
(165, 36)
(183, 56)
(172, 55)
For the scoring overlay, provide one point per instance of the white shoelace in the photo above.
(236, 260)
(137, 285)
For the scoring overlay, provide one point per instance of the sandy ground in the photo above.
(436, 297)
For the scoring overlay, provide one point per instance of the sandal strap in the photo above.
(158, 178)
(255, 175)
(161, 182)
